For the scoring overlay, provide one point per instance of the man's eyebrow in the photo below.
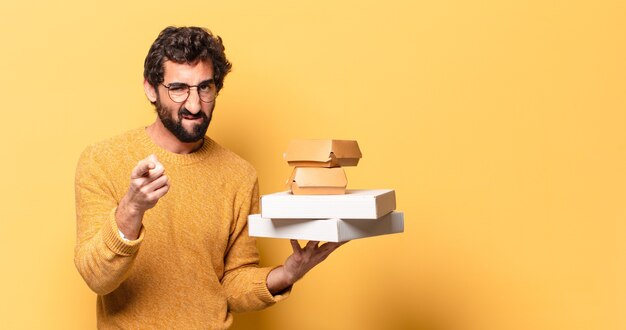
(208, 81)
(177, 83)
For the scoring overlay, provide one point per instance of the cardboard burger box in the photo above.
(322, 153)
(328, 230)
(317, 181)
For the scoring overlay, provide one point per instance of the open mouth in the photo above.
(191, 117)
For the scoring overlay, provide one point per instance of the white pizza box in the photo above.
(327, 230)
(354, 204)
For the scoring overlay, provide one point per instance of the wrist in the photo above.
(128, 220)
(130, 209)
(124, 238)
(289, 277)
(279, 279)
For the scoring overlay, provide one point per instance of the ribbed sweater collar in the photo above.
(174, 158)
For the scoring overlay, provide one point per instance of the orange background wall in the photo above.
(501, 125)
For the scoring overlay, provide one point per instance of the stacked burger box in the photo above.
(318, 206)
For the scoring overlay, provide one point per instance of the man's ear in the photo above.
(151, 93)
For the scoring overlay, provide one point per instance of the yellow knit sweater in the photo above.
(193, 263)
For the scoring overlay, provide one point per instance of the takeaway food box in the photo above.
(322, 153)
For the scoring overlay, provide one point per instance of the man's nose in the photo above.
(193, 103)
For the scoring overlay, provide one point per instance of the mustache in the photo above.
(185, 112)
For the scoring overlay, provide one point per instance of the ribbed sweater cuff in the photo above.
(115, 242)
(260, 287)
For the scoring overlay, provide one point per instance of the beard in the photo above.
(175, 126)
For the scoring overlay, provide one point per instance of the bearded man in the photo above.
(162, 234)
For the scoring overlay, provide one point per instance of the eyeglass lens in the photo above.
(180, 92)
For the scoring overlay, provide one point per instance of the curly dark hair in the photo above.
(186, 45)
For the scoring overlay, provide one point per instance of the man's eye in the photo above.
(178, 89)
(206, 87)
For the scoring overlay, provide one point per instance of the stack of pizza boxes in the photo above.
(318, 206)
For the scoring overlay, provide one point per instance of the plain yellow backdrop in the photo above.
(501, 125)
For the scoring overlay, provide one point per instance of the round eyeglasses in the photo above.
(179, 93)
